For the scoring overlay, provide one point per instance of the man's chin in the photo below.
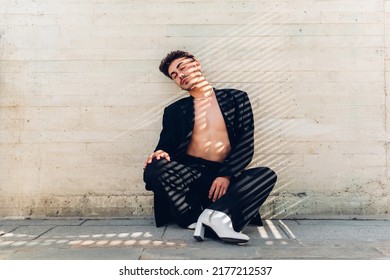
(186, 87)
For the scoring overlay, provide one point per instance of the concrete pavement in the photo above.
(138, 238)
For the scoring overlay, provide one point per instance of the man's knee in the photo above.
(270, 174)
(264, 177)
(152, 171)
(269, 177)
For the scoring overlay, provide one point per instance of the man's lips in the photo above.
(184, 80)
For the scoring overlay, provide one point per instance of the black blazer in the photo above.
(178, 123)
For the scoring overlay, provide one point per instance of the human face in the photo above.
(185, 72)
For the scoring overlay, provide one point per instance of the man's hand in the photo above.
(219, 187)
(158, 155)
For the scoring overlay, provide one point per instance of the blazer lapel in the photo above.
(187, 109)
(188, 112)
(227, 108)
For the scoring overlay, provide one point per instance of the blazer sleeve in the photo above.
(242, 151)
(165, 141)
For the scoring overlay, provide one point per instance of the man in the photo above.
(197, 171)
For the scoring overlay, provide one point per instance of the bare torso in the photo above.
(209, 137)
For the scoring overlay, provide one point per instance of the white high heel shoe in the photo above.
(221, 224)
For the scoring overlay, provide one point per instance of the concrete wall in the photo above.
(81, 99)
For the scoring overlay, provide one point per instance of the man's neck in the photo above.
(201, 90)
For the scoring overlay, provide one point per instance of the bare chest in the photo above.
(208, 117)
(209, 139)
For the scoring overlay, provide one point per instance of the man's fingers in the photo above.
(211, 191)
(158, 155)
(147, 161)
(219, 191)
(214, 192)
(217, 194)
(163, 155)
(166, 156)
(150, 158)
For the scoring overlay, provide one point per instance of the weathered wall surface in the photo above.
(81, 99)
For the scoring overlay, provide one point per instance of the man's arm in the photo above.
(165, 142)
(242, 152)
(164, 146)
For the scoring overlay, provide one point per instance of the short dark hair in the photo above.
(167, 60)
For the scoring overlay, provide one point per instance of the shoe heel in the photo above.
(199, 231)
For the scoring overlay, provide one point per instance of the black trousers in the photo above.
(186, 184)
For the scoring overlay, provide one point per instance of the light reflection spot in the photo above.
(74, 242)
(32, 243)
(263, 233)
(19, 243)
(136, 234)
(144, 242)
(5, 243)
(130, 242)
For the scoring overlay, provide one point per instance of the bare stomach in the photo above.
(213, 150)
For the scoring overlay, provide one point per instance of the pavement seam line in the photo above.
(44, 233)
(10, 231)
(285, 232)
(140, 255)
(165, 229)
